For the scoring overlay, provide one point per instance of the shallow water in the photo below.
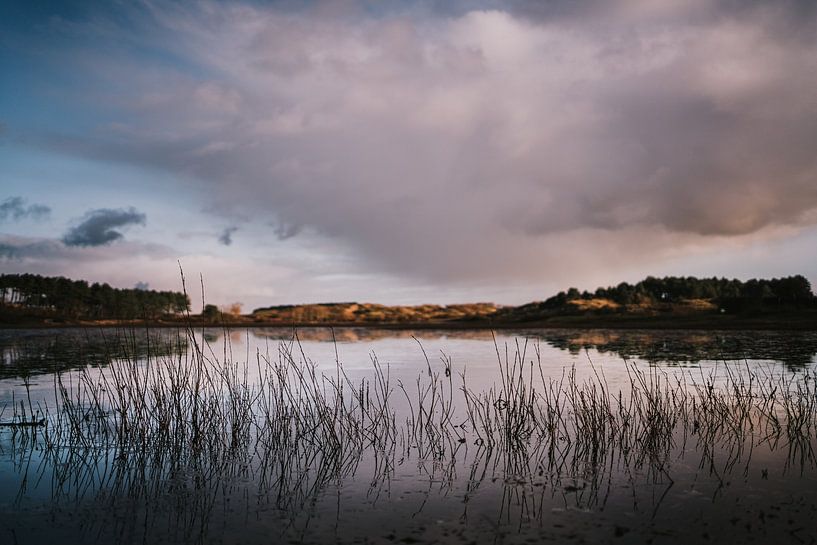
(695, 488)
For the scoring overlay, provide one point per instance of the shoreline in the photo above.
(797, 322)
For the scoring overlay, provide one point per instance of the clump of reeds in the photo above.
(145, 424)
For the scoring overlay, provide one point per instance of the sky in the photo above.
(407, 152)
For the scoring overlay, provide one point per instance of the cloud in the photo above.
(538, 139)
(226, 236)
(142, 286)
(284, 231)
(14, 208)
(119, 265)
(19, 248)
(25, 249)
(98, 227)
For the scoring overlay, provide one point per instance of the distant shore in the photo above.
(32, 301)
(795, 321)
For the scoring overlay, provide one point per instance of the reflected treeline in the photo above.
(30, 353)
(796, 349)
(45, 351)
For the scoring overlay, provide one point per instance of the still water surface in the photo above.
(748, 490)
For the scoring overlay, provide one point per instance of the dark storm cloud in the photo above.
(226, 236)
(99, 227)
(453, 142)
(15, 208)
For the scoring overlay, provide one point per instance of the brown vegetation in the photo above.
(366, 313)
(594, 304)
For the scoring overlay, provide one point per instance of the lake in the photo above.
(383, 436)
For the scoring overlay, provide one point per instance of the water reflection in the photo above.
(694, 488)
(360, 334)
(45, 351)
(193, 450)
(793, 348)
(36, 352)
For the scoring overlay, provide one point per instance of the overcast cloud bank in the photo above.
(523, 140)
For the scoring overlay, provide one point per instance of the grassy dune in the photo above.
(373, 313)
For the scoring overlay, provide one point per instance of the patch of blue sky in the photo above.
(21, 14)
(71, 186)
(54, 64)
(35, 98)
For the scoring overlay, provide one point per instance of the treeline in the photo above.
(77, 299)
(790, 290)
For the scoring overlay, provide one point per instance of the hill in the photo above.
(669, 302)
(367, 313)
(652, 302)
